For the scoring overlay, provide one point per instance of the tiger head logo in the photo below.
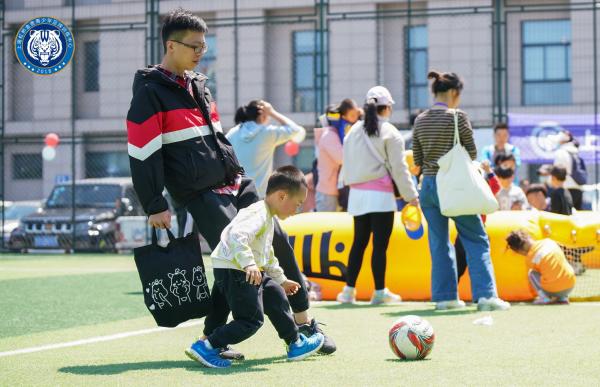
(44, 46)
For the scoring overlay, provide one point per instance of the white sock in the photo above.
(298, 342)
(380, 292)
(348, 289)
(208, 344)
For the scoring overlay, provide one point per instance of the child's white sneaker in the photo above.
(347, 295)
(492, 303)
(384, 297)
(450, 304)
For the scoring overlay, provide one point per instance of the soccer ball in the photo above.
(411, 338)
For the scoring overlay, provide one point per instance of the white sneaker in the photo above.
(347, 295)
(385, 297)
(450, 304)
(492, 303)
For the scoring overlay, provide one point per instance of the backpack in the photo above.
(578, 169)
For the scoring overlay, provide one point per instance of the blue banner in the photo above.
(537, 135)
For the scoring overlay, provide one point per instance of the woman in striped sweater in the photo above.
(433, 137)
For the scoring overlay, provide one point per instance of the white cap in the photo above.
(382, 96)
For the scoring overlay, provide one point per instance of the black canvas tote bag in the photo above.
(173, 279)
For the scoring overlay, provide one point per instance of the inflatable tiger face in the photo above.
(44, 46)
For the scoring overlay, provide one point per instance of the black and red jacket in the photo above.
(171, 140)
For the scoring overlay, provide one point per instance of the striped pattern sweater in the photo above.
(433, 137)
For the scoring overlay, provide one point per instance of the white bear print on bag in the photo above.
(180, 286)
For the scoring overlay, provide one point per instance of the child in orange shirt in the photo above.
(550, 273)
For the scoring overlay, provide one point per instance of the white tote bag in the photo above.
(461, 188)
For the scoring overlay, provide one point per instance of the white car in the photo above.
(14, 211)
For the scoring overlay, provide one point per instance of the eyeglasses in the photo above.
(197, 49)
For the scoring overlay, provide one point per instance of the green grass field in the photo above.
(46, 300)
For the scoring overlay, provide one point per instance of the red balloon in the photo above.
(52, 139)
(291, 148)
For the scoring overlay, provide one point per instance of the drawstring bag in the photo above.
(461, 188)
(173, 279)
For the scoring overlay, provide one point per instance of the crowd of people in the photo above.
(227, 183)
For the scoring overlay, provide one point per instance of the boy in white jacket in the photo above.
(244, 250)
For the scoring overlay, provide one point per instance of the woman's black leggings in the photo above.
(380, 224)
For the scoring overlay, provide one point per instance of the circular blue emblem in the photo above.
(44, 45)
(544, 138)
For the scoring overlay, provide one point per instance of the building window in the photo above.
(27, 166)
(417, 92)
(92, 66)
(546, 69)
(310, 72)
(207, 65)
(107, 164)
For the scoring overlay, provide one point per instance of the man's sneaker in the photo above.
(313, 327)
(385, 297)
(347, 296)
(230, 353)
(450, 304)
(208, 357)
(492, 303)
(305, 347)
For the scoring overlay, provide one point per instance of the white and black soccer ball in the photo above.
(411, 338)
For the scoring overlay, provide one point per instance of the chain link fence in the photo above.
(300, 56)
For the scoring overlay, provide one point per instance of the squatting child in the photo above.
(550, 273)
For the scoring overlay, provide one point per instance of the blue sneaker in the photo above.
(306, 347)
(208, 357)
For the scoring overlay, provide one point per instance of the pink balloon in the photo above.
(291, 148)
(52, 139)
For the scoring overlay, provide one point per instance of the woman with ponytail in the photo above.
(254, 140)
(433, 137)
(373, 162)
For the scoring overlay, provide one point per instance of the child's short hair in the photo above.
(516, 240)
(288, 178)
(559, 173)
(502, 157)
(533, 188)
(500, 126)
(504, 173)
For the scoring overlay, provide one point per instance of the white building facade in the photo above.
(539, 60)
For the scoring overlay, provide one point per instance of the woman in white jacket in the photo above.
(373, 163)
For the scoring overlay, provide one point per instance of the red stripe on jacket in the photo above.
(167, 122)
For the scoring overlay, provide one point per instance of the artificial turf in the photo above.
(528, 345)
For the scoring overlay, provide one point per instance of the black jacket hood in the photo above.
(151, 74)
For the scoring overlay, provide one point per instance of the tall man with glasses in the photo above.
(175, 141)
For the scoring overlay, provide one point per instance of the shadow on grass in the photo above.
(407, 361)
(429, 312)
(119, 368)
(134, 293)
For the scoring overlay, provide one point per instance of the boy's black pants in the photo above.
(248, 304)
(212, 213)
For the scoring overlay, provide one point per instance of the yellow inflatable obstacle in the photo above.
(322, 242)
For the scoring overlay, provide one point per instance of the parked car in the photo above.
(13, 212)
(89, 217)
